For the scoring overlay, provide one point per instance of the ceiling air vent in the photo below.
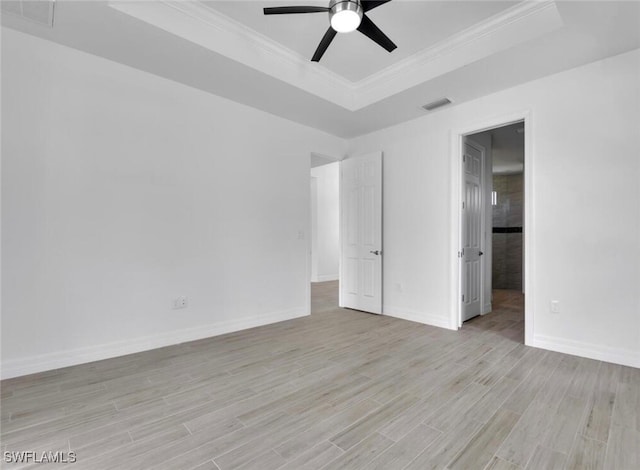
(37, 11)
(437, 104)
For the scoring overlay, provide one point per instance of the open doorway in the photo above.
(492, 277)
(325, 233)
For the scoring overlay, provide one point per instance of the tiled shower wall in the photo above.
(507, 217)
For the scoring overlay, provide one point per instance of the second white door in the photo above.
(472, 229)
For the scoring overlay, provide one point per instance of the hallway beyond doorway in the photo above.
(324, 296)
(506, 318)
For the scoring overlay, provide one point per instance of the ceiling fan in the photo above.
(344, 16)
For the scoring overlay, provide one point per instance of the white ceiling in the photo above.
(458, 49)
(321, 160)
(507, 145)
(411, 25)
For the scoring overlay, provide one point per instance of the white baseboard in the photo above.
(30, 365)
(624, 357)
(327, 277)
(419, 317)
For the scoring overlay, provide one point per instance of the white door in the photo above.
(472, 229)
(361, 233)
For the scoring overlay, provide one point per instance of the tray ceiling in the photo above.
(412, 25)
(456, 49)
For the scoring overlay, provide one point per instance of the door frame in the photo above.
(457, 178)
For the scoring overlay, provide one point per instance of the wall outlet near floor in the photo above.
(180, 302)
(555, 306)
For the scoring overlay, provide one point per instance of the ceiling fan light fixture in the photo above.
(345, 15)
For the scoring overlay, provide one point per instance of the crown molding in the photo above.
(515, 25)
(195, 22)
(212, 30)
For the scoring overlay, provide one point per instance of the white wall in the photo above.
(325, 224)
(122, 191)
(586, 222)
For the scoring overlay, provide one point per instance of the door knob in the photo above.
(376, 252)
(480, 254)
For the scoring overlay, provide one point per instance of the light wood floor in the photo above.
(337, 390)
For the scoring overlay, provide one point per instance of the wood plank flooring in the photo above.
(337, 390)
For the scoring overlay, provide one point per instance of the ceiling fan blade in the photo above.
(322, 47)
(290, 10)
(371, 4)
(369, 29)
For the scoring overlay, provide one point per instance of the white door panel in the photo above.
(472, 229)
(361, 233)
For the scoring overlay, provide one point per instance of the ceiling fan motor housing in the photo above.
(346, 6)
(345, 16)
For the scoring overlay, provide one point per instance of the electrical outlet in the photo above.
(555, 306)
(180, 302)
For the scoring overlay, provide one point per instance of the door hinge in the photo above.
(463, 297)
(464, 158)
(463, 204)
